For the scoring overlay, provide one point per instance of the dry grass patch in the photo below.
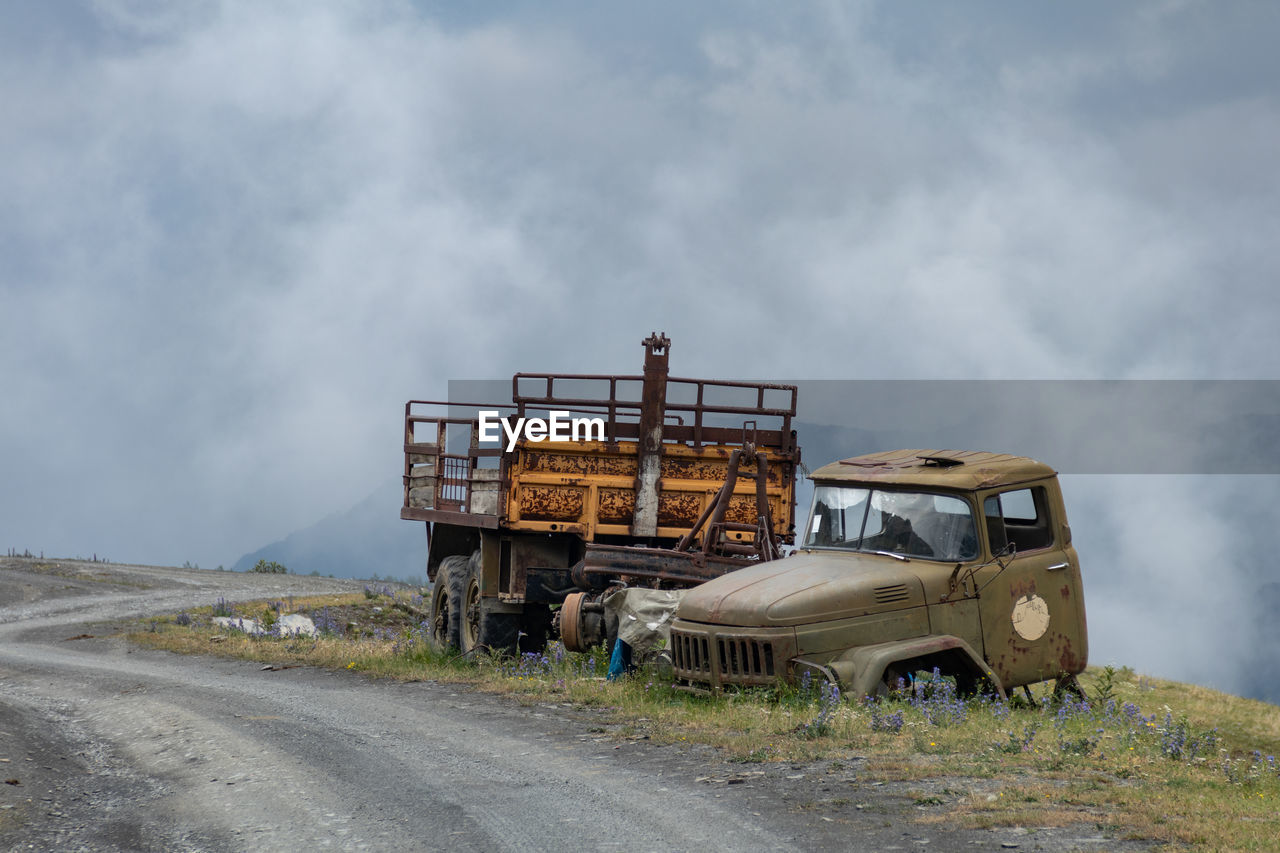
(1142, 758)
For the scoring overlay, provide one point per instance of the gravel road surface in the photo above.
(116, 748)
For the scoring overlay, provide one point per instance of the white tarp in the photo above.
(644, 616)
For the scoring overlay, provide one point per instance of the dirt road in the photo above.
(115, 748)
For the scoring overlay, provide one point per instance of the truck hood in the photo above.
(811, 586)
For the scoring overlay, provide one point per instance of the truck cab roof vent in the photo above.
(940, 461)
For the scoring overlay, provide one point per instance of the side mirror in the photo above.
(1066, 534)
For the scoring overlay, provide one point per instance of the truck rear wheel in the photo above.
(446, 604)
(498, 632)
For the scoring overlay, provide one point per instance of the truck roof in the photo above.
(955, 469)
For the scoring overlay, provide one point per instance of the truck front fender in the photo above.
(861, 670)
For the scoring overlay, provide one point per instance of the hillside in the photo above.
(366, 540)
(1138, 763)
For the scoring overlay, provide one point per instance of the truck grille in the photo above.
(691, 653)
(709, 658)
(743, 659)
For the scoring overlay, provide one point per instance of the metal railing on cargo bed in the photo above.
(590, 487)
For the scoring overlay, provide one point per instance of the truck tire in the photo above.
(479, 627)
(446, 603)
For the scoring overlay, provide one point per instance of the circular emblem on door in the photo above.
(1030, 617)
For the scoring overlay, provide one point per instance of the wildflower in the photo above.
(891, 723)
(829, 698)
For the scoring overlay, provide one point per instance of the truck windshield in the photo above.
(913, 524)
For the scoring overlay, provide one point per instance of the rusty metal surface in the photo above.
(659, 469)
(615, 506)
(737, 525)
(678, 509)
(549, 503)
(571, 622)
(438, 479)
(709, 465)
(598, 481)
(464, 519)
(805, 588)
(977, 469)
(765, 542)
(723, 499)
(657, 564)
(587, 459)
(708, 658)
(653, 399)
(1028, 583)
(660, 464)
(1021, 612)
(682, 422)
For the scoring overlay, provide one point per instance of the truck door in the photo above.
(1032, 611)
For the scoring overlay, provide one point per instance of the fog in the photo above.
(235, 237)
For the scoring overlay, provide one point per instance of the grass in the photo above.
(83, 570)
(1146, 758)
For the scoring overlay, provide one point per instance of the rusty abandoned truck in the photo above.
(911, 560)
(681, 481)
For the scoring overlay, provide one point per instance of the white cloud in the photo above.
(238, 235)
(1170, 586)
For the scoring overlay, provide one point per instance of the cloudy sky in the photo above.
(236, 236)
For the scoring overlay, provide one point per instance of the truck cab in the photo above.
(909, 560)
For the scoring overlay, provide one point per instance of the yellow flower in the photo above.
(351, 665)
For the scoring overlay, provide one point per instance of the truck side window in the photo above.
(1020, 516)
